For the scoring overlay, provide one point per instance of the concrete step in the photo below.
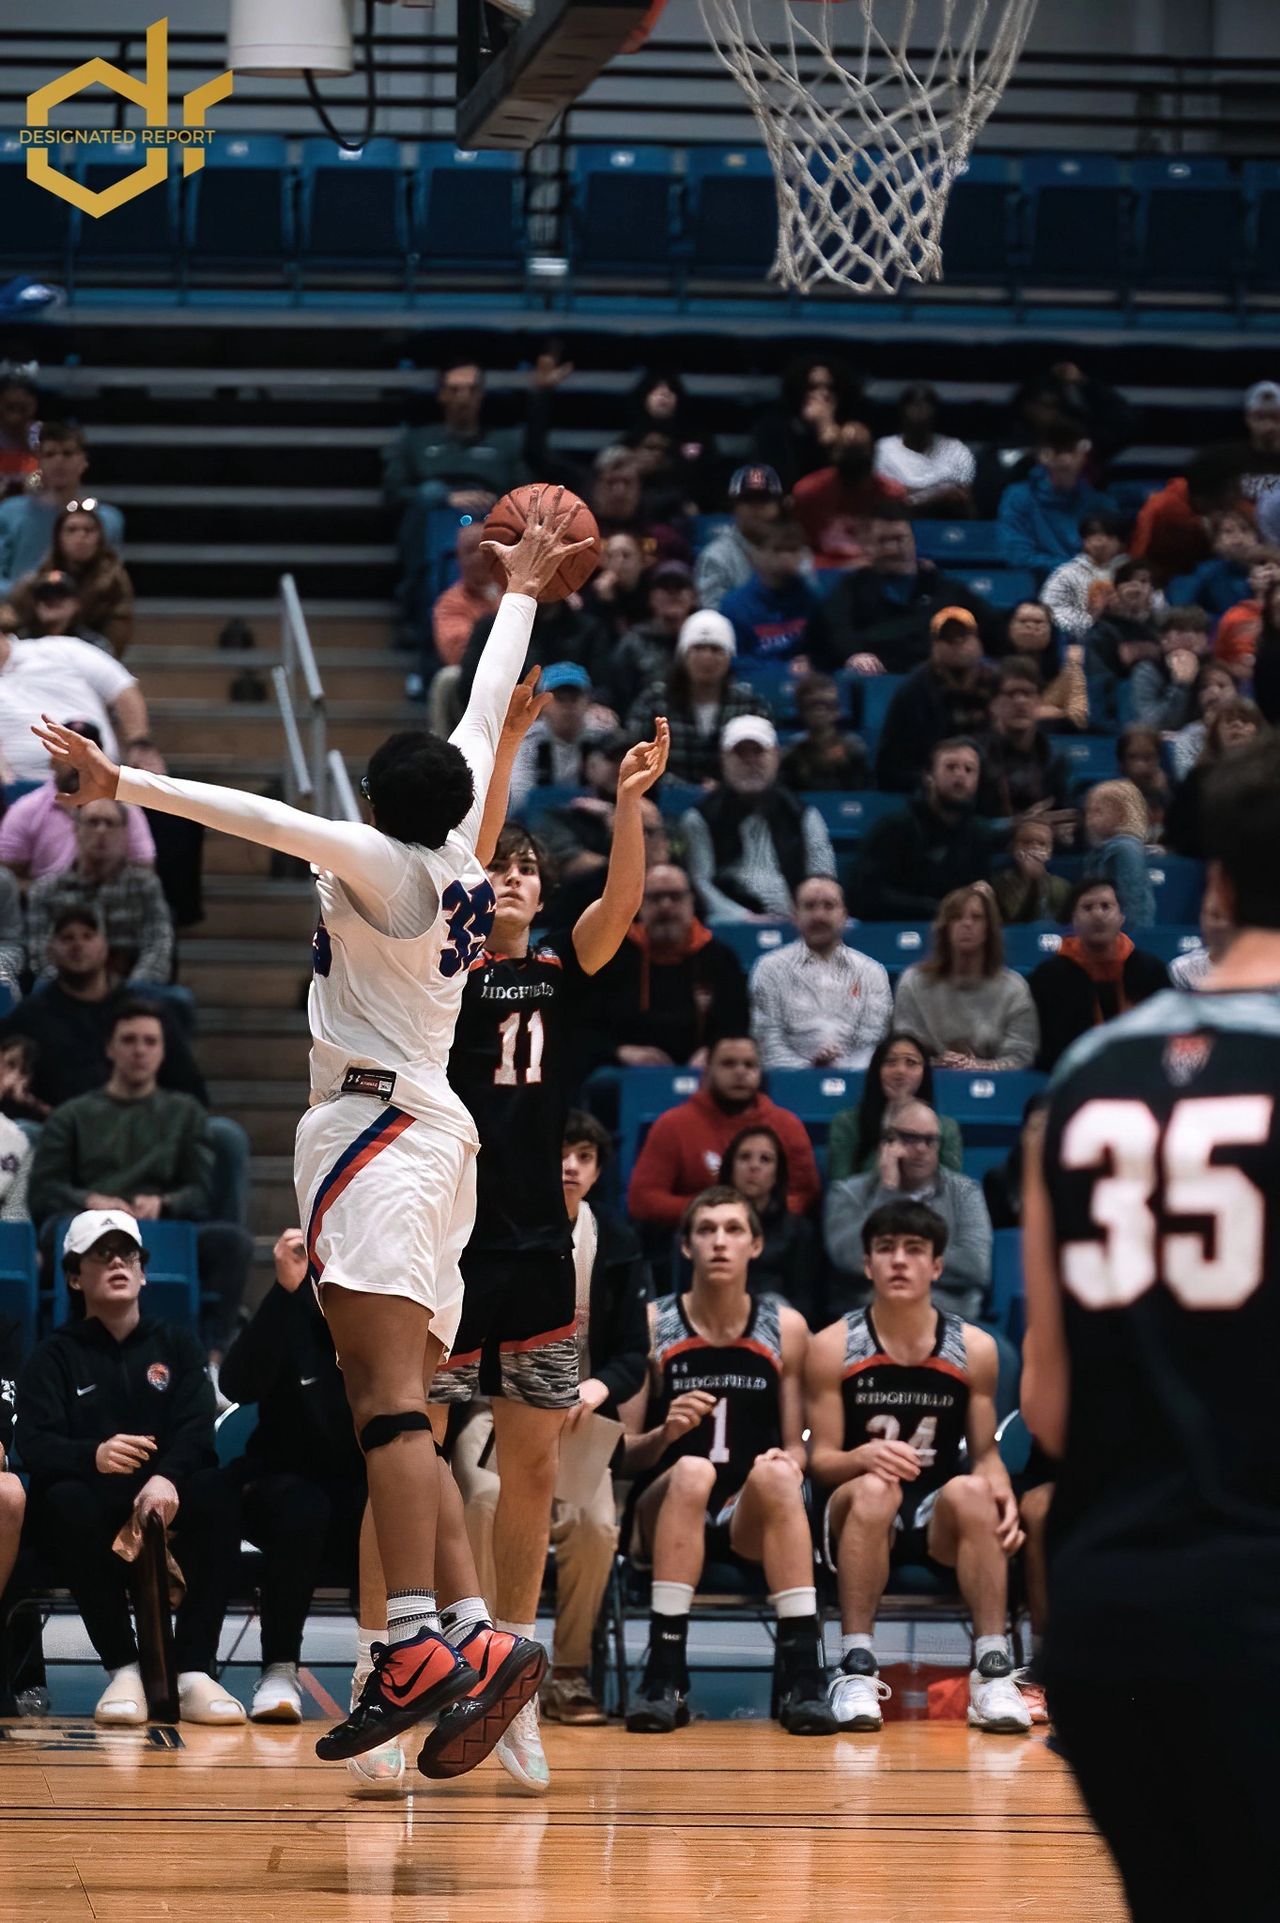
(228, 855)
(197, 621)
(267, 1110)
(260, 974)
(273, 1205)
(240, 907)
(276, 1057)
(188, 674)
(251, 731)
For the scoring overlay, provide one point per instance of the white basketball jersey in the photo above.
(388, 1005)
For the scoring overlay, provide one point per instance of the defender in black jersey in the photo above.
(722, 1468)
(894, 1392)
(1152, 1248)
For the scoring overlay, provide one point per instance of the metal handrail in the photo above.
(342, 794)
(298, 657)
(297, 775)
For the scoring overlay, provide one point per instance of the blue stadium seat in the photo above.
(37, 228)
(467, 208)
(674, 797)
(851, 816)
(1262, 191)
(232, 1430)
(1168, 942)
(14, 790)
(732, 213)
(173, 1279)
(1027, 944)
(878, 691)
(1091, 757)
(1190, 215)
(816, 1095)
(707, 526)
(1077, 212)
(19, 1279)
(1002, 587)
(624, 211)
(143, 233)
(240, 204)
(646, 1094)
(1004, 1303)
(978, 234)
(988, 1107)
(1179, 887)
(896, 944)
(353, 205)
(975, 1162)
(1014, 1439)
(751, 939)
(971, 544)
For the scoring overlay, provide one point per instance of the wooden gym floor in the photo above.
(925, 1823)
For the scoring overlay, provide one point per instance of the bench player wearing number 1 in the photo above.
(384, 1163)
(1151, 1233)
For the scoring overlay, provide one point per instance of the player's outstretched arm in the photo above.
(602, 928)
(1046, 1382)
(523, 709)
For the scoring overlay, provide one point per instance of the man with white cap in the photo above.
(750, 843)
(115, 1425)
(699, 697)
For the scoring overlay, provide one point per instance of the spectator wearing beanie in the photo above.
(699, 697)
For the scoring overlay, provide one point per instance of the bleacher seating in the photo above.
(1076, 207)
(141, 233)
(239, 207)
(988, 1107)
(816, 1095)
(624, 217)
(38, 228)
(354, 212)
(954, 544)
(1002, 587)
(646, 1094)
(467, 208)
(19, 1279)
(731, 212)
(1262, 191)
(851, 816)
(1189, 223)
(1005, 1302)
(979, 234)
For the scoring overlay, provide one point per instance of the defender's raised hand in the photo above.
(524, 707)
(99, 776)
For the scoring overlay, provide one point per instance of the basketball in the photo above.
(506, 523)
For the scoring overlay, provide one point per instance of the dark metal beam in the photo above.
(543, 68)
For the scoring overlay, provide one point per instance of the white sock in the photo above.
(984, 1645)
(794, 1602)
(187, 1678)
(409, 1612)
(527, 1630)
(671, 1598)
(365, 1639)
(857, 1639)
(459, 1619)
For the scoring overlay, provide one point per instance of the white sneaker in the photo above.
(379, 1771)
(123, 1702)
(995, 1701)
(521, 1754)
(855, 1697)
(277, 1698)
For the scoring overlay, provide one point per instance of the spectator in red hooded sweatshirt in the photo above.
(836, 505)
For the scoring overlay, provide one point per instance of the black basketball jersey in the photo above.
(744, 1376)
(924, 1404)
(511, 1062)
(1162, 1162)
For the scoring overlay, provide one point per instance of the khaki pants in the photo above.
(585, 1541)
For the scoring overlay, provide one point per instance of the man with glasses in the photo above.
(909, 1170)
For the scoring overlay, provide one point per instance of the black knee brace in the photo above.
(380, 1430)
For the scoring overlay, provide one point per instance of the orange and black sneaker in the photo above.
(508, 1671)
(409, 1683)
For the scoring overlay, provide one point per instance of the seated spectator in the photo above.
(1232, 725)
(898, 1069)
(27, 520)
(19, 428)
(550, 756)
(726, 562)
(911, 860)
(772, 610)
(1064, 392)
(836, 505)
(826, 759)
(749, 843)
(13, 1499)
(617, 501)
(96, 594)
(662, 408)
(62, 676)
(1160, 694)
(968, 1009)
(1262, 460)
(1078, 591)
(819, 404)
(1096, 974)
(617, 594)
(644, 655)
(1138, 759)
(11, 934)
(1266, 665)
(1025, 891)
(178, 844)
(1064, 695)
(562, 631)
(301, 1477)
(1039, 518)
(38, 838)
(107, 1462)
(69, 1022)
(755, 1164)
(683, 1150)
(935, 469)
(127, 897)
(908, 1169)
(474, 594)
(134, 1146)
(699, 696)
(1172, 529)
(950, 695)
(1213, 685)
(1129, 632)
(878, 619)
(17, 1061)
(15, 1171)
(1217, 584)
(1190, 968)
(818, 1003)
(1115, 830)
(671, 989)
(1020, 768)
(1235, 639)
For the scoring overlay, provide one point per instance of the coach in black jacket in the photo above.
(301, 1473)
(115, 1420)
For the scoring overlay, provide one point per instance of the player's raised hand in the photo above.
(686, 1412)
(532, 563)
(524, 707)
(99, 776)
(646, 763)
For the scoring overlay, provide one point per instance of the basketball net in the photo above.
(866, 134)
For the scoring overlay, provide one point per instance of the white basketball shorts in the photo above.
(387, 1204)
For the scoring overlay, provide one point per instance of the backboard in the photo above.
(516, 75)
